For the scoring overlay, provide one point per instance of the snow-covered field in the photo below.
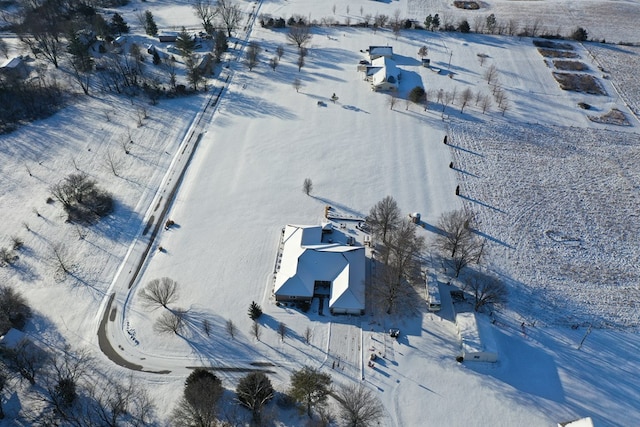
(554, 193)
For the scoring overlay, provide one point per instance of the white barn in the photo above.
(308, 264)
(476, 336)
(383, 74)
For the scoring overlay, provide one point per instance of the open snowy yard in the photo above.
(554, 192)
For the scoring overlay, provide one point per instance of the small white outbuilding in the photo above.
(476, 336)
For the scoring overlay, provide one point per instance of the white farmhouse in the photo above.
(476, 335)
(310, 267)
(383, 74)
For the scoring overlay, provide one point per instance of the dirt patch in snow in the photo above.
(613, 117)
(585, 83)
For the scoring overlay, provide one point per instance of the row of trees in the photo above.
(400, 248)
(67, 388)
(310, 388)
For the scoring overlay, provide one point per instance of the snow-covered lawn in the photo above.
(554, 193)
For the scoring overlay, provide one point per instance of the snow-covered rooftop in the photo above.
(305, 260)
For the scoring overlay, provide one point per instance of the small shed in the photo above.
(14, 68)
(476, 336)
(415, 217)
(426, 62)
(167, 37)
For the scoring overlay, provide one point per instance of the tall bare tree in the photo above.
(359, 406)
(230, 14)
(423, 51)
(159, 292)
(458, 240)
(400, 267)
(282, 331)
(383, 217)
(231, 328)
(253, 54)
(205, 12)
(487, 290)
(491, 74)
(42, 31)
(465, 96)
(300, 35)
(307, 186)
(170, 322)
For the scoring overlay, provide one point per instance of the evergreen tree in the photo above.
(491, 23)
(156, 58)
(464, 26)
(428, 22)
(118, 25)
(435, 22)
(185, 43)
(254, 391)
(580, 34)
(220, 45)
(255, 311)
(150, 26)
(310, 387)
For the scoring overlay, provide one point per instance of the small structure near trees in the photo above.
(476, 336)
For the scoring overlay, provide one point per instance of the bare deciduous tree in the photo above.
(456, 227)
(300, 62)
(297, 84)
(308, 333)
(26, 359)
(61, 259)
(300, 35)
(458, 241)
(491, 74)
(359, 406)
(230, 14)
(159, 292)
(282, 331)
(205, 12)
(231, 328)
(383, 217)
(465, 97)
(253, 54)
(401, 265)
(485, 103)
(256, 330)
(487, 290)
(423, 51)
(112, 163)
(392, 100)
(170, 322)
(273, 63)
(280, 51)
(307, 186)
(14, 310)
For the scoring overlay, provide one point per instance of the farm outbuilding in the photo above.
(309, 267)
(476, 336)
